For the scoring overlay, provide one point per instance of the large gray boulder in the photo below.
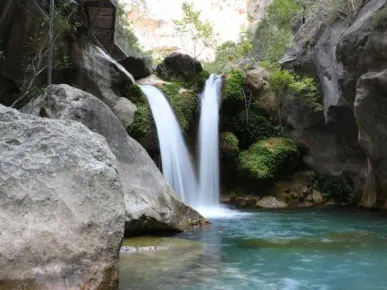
(150, 204)
(61, 205)
(138, 66)
(98, 74)
(178, 66)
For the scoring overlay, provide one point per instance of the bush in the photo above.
(184, 103)
(252, 128)
(289, 84)
(229, 144)
(332, 188)
(267, 159)
(142, 122)
(233, 88)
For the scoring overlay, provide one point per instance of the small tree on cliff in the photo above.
(200, 31)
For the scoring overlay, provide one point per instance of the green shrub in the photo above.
(267, 159)
(229, 144)
(198, 82)
(233, 88)
(332, 188)
(288, 84)
(252, 127)
(142, 122)
(183, 102)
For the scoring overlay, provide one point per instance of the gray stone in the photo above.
(138, 66)
(271, 202)
(61, 205)
(317, 196)
(150, 203)
(178, 66)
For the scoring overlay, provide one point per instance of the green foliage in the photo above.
(197, 83)
(289, 84)
(267, 159)
(274, 34)
(233, 88)
(183, 102)
(142, 122)
(332, 188)
(380, 18)
(230, 139)
(250, 126)
(192, 26)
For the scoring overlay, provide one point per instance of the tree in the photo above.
(200, 31)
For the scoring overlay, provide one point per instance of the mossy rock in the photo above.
(250, 126)
(183, 102)
(143, 120)
(229, 145)
(233, 87)
(269, 158)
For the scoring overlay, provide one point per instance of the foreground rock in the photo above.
(150, 204)
(61, 205)
(177, 66)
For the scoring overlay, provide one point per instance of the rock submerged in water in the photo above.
(61, 205)
(151, 206)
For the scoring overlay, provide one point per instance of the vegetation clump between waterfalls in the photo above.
(229, 144)
(142, 121)
(268, 158)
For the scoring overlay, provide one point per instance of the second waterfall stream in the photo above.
(177, 167)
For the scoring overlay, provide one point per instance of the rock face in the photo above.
(150, 203)
(61, 205)
(343, 57)
(179, 66)
(138, 67)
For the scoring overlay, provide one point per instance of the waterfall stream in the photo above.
(208, 194)
(176, 164)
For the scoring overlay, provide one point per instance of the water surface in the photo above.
(291, 249)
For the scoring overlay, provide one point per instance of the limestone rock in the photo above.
(370, 108)
(139, 67)
(150, 203)
(271, 202)
(61, 205)
(179, 66)
(97, 73)
(317, 197)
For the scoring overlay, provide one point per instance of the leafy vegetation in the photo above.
(229, 144)
(332, 188)
(233, 87)
(142, 122)
(183, 102)
(192, 27)
(267, 159)
(289, 84)
(380, 18)
(252, 127)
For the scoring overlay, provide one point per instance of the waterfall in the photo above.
(176, 163)
(209, 144)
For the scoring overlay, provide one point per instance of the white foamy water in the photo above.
(208, 195)
(176, 164)
(221, 212)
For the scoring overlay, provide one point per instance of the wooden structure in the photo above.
(102, 18)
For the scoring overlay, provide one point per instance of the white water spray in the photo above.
(209, 144)
(176, 164)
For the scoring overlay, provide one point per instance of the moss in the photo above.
(142, 122)
(197, 83)
(183, 102)
(251, 127)
(229, 144)
(233, 88)
(267, 159)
